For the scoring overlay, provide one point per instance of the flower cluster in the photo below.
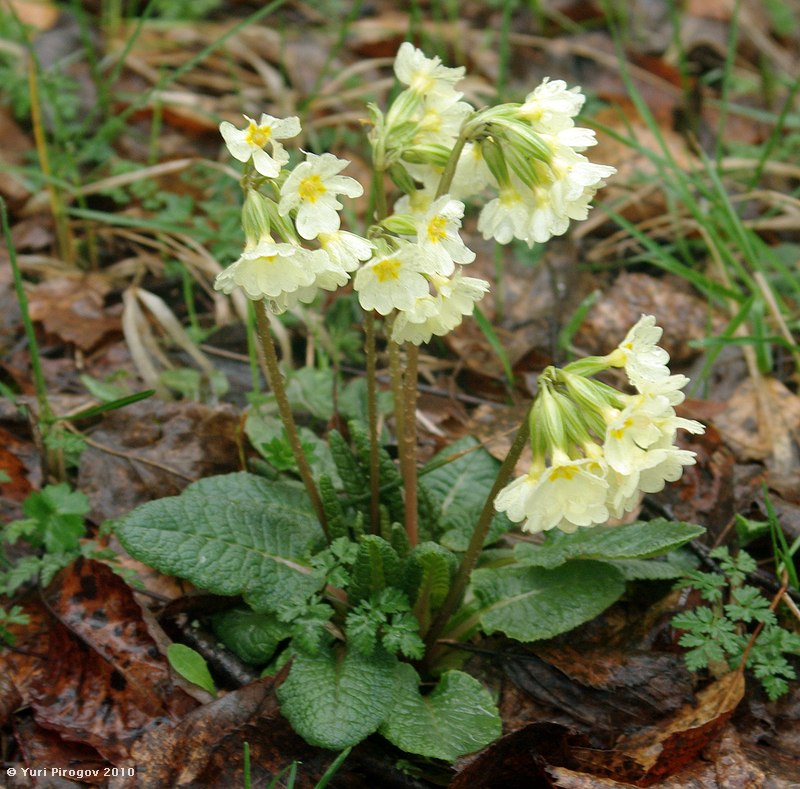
(438, 150)
(595, 449)
(306, 208)
(529, 154)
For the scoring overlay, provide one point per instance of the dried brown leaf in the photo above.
(73, 309)
(682, 315)
(152, 449)
(103, 681)
(660, 751)
(206, 747)
(762, 422)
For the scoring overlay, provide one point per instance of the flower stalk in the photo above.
(372, 419)
(408, 444)
(285, 411)
(473, 552)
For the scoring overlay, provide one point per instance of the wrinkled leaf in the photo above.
(377, 566)
(232, 534)
(638, 540)
(458, 717)
(530, 603)
(334, 700)
(251, 635)
(460, 488)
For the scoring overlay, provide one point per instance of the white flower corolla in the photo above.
(418, 324)
(546, 216)
(249, 143)
(472, 174)
(425, 76)
(439, 120)
(567, 494)
(667, 386)
(552, 106)
(394, 281)
(437, 234)
(346, 249)
(329, 277)
(507, 216)
(623, 492)
(440, 314)
(665, 464)
(644, 361)
(632, 431)
(267, 270)
(574, 173)
(311, 188)
(415, 203)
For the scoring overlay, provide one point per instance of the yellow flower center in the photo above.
(437, 229)
(387, 270)
(563, 472)
(531, 112)
(620, 431)
(257, 136)
(509, 196)
(311, 188)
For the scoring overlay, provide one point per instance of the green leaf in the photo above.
(253, 636)
(460, 488)
(377, 566)
(353, 400)
(354, 480)
(334, 700)
(675, 565)
(427, 574)
(529, 603)
(311, 390)
(458, 717)
(267, 434)
(59, 512)
(234, 534)
(191, 666)
(639, 540)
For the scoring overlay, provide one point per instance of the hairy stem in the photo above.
(476, 542)
(285, 411)
(372, 419)
(408, 443)
(396, 379)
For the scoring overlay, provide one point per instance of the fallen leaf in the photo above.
(206, 747)
(611, 317)
(518, 760)
(42, 746)
(73, 309)
(41, 14)
(762, 422)
(154, 449)
(105, 683)
(18, 486)
(660, 751)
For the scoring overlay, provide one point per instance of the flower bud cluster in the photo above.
(596, 449)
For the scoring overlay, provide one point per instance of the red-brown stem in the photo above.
(408, 443)
(372, 419)
(476, 542)
(285, 411)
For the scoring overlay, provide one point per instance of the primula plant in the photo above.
(361, 577)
